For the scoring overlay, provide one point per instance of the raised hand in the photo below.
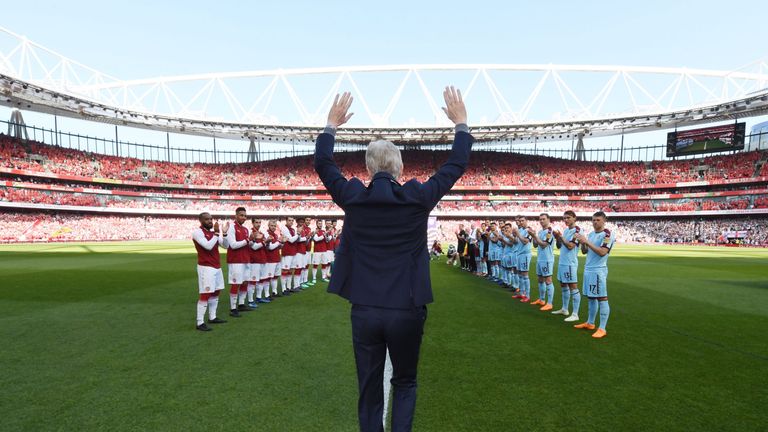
(337, 116)
(216, 226)
(454, 105)
(226, 227)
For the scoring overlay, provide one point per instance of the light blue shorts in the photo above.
(595, 283)
(523, 261)
(544, 268)
(567, 273)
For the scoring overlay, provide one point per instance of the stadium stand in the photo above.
(56, 176)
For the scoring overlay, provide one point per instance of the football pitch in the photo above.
(101, 337)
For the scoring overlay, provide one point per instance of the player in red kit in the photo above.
(238, 260)
(329, 246)
(305, 232)
(207, 240)
(258, 260)
(271, 271)
(289, 254)
(319, 258)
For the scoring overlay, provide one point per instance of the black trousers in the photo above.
(471, 255)
(374, 330)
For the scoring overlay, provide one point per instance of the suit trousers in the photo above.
(374, 330)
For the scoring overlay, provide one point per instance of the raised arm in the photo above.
(450, 172)
(199, 238)
(561, 241)
(290, 238)
(232, 241)
(326, 168)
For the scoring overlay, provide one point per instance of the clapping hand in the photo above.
(226, 227)
(580, 237)
(216, 226)
(338, 113)
(454, 106)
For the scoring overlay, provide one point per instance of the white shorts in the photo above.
(288, 262)
(330, 256)
(209, 279)
(255, 271)
(301, 258)
(270, 270)
(238, 273)
(319, 258)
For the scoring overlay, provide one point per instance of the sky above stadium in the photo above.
(141, 39)
(145, 39)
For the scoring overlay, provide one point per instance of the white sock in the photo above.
(213, 304)
(273, 282)
(296, 279)
(314, 273)
(201, 306)
(304, 275)
(241, 297)
(251, 288)
(259, 289)
(232, 301)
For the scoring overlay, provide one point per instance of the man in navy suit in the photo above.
(382, 261)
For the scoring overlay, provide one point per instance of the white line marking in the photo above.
(387, 386)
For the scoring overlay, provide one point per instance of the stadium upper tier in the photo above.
(38, 176)
(62, 227)
(488, 171)
(396, 102)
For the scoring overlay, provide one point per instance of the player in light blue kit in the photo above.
(506, 255)
(513, 252)
(597, 246)
(494, 252)
(568, 266)
(523, 258)
(544, 241)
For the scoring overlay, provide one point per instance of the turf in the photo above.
(101, 337)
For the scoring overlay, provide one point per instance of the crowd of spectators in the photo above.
(692, 230)
(488, 168)
(13, 194)
(55, 227)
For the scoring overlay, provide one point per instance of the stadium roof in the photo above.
(396, 102)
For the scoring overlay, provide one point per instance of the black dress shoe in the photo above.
(216, 320)
(203, 327)
(234, 313)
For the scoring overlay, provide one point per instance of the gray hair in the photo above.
(383, 156)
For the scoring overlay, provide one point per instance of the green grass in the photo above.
(101, 337)
(710, 145)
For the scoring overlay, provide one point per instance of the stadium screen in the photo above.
(706, 140)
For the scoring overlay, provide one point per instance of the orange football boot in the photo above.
(546, 307)
(600, 333)
(585, 325)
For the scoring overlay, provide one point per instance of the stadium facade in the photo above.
(60, 185)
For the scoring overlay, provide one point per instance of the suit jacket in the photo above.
(382, 259)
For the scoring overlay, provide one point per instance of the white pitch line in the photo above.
(387, 387)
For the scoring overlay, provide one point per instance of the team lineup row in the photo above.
(257, 259)
(503, 254)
